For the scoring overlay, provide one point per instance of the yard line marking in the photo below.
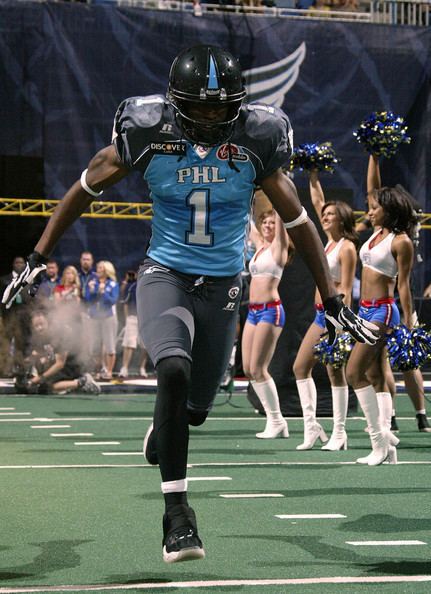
(384, 579)
(105, 418)
(18, 420)
(71, 434)
(384, 543)
(5, 414)
(63, 466)
(97, 443)
(50, 426)
(249, 495)
(206, 464)
(150, 418)
(309, 516)
(122, 453)
(36, 466)
(209, 478)
(7, 408)
(144, 418)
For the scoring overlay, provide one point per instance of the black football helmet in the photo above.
(206, 89)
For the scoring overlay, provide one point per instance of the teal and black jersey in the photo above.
(201, 197)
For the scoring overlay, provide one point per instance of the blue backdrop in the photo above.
(65, 67)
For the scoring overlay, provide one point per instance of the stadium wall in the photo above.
(65, 67)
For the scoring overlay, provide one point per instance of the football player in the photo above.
(202, 151)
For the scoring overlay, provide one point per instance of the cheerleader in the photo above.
(387, 260)
(266, 317)
(338, 222)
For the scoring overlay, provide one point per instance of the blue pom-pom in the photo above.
(313, 156)
(381, 133)
(335, 354)
(408, 349)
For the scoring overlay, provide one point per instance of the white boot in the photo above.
(384, 400)
(340, 401)
(276, 425)
(382, 449)
(312, 430)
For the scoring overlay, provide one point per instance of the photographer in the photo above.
(130, 338)
(53, 366)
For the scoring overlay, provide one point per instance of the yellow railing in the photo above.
(40, 207)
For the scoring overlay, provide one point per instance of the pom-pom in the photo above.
(335, 354)
(381, 133)
(313, 156)
(408, 349)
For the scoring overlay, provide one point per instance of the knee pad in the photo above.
(196, 417)
(175, 370)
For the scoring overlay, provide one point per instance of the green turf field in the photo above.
(81, 509)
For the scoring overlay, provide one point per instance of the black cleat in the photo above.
(180, 535)
(394, 424)
(150, 451)
(423, 424)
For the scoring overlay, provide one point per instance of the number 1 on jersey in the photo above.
(199, 234)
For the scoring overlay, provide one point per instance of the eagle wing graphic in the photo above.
(271, 82)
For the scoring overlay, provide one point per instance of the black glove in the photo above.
(31, 275)
(340, 317)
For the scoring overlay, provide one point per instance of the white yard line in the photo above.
(209, 478)
(384, 543)
(123, 453)
(71, 434)
(204, 465)
(386, 579)
(98, 443)
(309, 516)
(249, 495)
(50, 426)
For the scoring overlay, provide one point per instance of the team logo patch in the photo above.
(233, 292)
(168, 148)
(167, 129)
(230, 306)
(223, 153)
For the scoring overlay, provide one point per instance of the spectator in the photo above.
(67, 296)
(251, 4)
(348, 6)
(304, 4)
(69, 288)
(102, 294)
(197, 8)
(318, 8)
(16, 322)
(86, 273)
(48, 284)
(53, 364)
(131, 338)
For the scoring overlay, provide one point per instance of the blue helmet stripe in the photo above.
(213, 80)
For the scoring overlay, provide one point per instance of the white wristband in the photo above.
(86, 187)
(298, 221)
